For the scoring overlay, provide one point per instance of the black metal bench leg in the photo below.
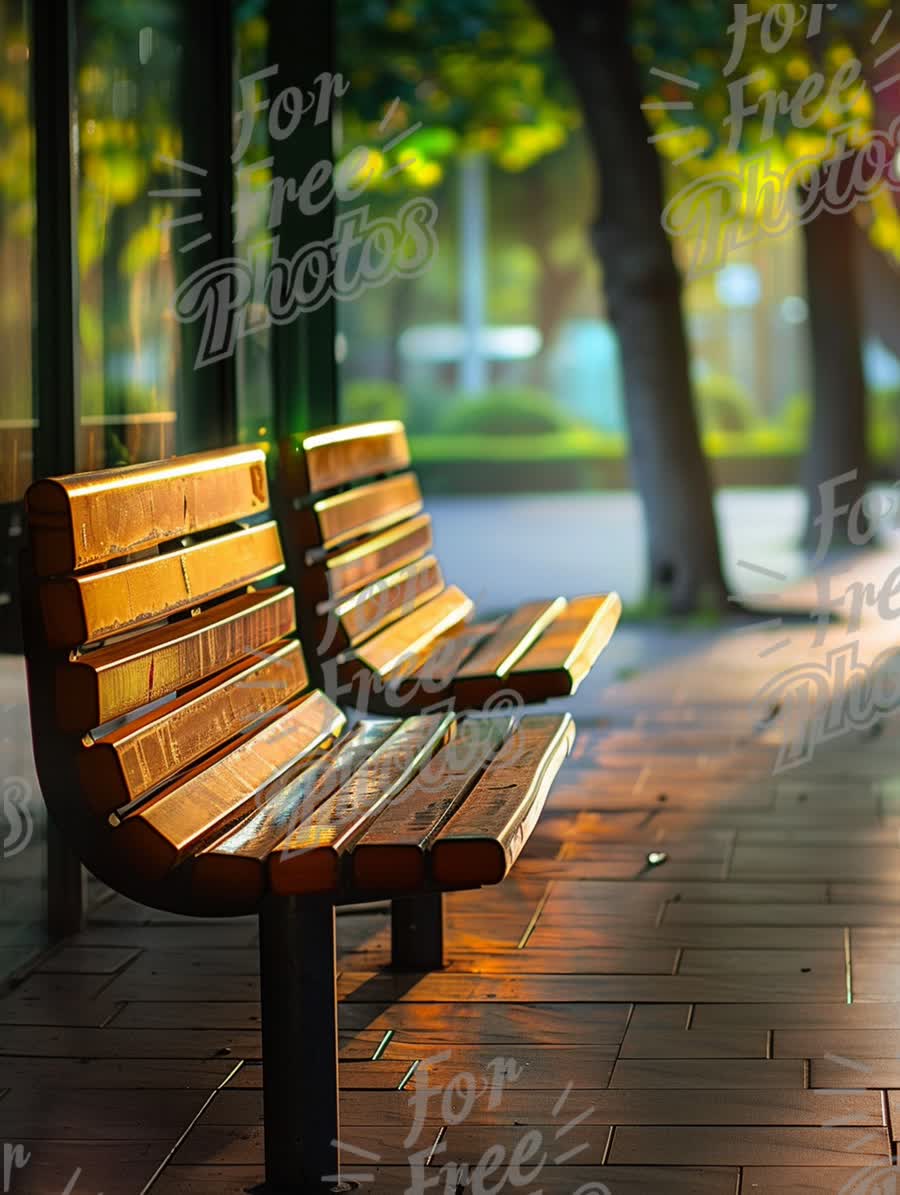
(417, 932)
(300, 1044)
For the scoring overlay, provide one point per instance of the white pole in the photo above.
(472, 270)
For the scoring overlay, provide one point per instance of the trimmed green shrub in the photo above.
(372, 398)
(795, 416)
(724, 405)
(505, 412)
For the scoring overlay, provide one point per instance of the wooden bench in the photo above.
(192, 767)
(378, 619)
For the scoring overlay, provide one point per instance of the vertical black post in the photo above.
(56, 356)
(55, 346)
(207, 398)
(300, 1044)
(302, 44)
(417, 932)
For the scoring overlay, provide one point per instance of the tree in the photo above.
(837, 435)
(783, 85)
(643, 290)
(499, 87)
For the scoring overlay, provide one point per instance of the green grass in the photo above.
(578, 444)
(587, 444)
(652, 609)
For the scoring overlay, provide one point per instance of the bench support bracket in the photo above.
(417, 932)
(300, 1043)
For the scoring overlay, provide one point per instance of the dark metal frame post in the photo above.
(207, 397)
(298, 981)
(417, 932)
(56, 356)
(302, 40)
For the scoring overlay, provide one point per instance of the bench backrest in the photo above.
(358, 519)
(166, 690)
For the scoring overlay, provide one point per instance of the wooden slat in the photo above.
(143, 754)
(387, 651)
(481, 842)
(93, 606)
(347, 571)
(568, 649)
(378, 605)
(355, 513)
(194, 811)
(338, 456)
(478, 677)
(236, 864)
(110, 681)
(435, 668)
(309, 860)
(90, 518)
(391, 854)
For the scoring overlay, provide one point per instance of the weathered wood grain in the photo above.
(89, 518)
(564, 654)
(392, 853)
(407, 638)
(88, 607)
(359, 512)
(378, 605)
(237, 862)
(349, 569)
(99, 685)
(336, 456)
(309, 859)
(482, 840)
(142, 755)
(183, 818)
(519, 631)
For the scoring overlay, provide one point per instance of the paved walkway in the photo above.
(504, 550)
(724, 1022)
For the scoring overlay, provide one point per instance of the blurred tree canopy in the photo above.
(481, 76)
(815, 73)
(809, 94)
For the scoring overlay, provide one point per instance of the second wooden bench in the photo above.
(379, 621)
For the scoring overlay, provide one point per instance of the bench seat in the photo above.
(191, 764)
(381, 625)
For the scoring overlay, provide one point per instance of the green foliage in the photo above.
(372, 398)
(577, 444)
(691, 39)
(654, 608)
(111, 396)
(506, 412)
(885, 403)
(480, 76)
(755, 438)
(724, 404)
(803, 79)
(795, 416)
(883, 430)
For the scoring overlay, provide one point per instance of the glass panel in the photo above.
(130, 64)
(252, 238)
(22, 828)
(17, 216)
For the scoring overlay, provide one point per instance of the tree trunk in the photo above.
(643, 293)
(837, 435)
